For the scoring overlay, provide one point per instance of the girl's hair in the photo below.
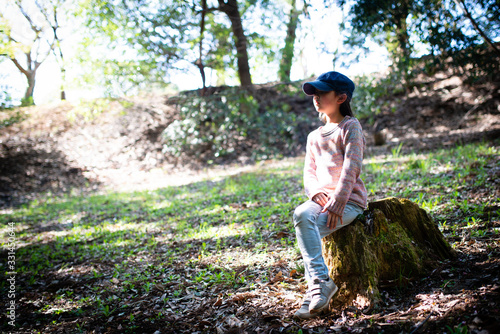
(345, 108)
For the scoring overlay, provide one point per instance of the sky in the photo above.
(310, 59)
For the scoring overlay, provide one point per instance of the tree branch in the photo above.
(36, 29)
(19, 66)
(461, 4)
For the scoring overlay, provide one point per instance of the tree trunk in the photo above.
(403, 38)
(31, 86)
(287, 52)
(199, 63)
(63, 74)
(230, 8)
(396, 242)
(63, 80)
(30, 74)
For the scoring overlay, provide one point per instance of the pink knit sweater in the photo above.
(333, 163)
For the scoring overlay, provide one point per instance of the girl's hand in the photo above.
(332, 220)
(321, 199)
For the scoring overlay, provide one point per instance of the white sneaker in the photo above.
(303, 311)
(321, 293)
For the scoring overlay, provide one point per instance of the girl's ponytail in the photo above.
(345, 107)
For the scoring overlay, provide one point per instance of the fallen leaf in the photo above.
(277, 278)
(281, 234)
(232, 321)
(205, 323)
(452, 303)
(242, 296)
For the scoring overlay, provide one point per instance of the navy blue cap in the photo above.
(330, 81)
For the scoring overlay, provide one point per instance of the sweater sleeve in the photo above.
(311, 184)
(354, 144)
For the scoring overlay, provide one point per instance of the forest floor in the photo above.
(115, 237)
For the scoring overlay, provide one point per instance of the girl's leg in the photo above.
(351, 211)
(310, 228)
(309, 240)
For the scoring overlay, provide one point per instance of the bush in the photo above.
(230, 123)
(11, 119)
(9, 116)
(5, 98)
(369, 90)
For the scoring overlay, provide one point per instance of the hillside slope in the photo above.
(64, 147)
(441, 111)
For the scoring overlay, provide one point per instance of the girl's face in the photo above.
(328, 103)
(323, 100)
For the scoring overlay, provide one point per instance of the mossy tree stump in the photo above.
(397, 241)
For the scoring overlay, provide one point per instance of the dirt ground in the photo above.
(122, 151)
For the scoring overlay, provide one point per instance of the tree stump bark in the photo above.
(394, 241)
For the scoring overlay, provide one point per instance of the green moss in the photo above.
(353, 262)
(400, 255)
(395, 248)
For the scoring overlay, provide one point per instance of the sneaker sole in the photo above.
(304, 316)
(303, 311)
(318, 310)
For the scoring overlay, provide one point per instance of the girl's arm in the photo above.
(354, 143)
(311, 184)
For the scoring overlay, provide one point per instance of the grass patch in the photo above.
(151, 258)
(455, 183)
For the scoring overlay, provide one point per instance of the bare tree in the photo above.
(51, 12)
(28, 48)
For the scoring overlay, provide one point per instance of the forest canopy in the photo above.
(123, 46)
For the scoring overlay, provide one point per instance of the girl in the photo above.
(336, 193)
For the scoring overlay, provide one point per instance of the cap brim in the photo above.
(310, 87)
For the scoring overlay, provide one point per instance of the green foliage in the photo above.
(369, 90)
(27, 101)
(217, 57)
(12, 118)
(214, 123)
(448, 32)
(459, 329)
(229, 123)
(437, 25)
(5, 97)
(29, 35)
(387, 22)
(431, 180)
(152, 41)
(117, 78)
(143, 40)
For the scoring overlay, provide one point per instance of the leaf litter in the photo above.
(188, 259)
